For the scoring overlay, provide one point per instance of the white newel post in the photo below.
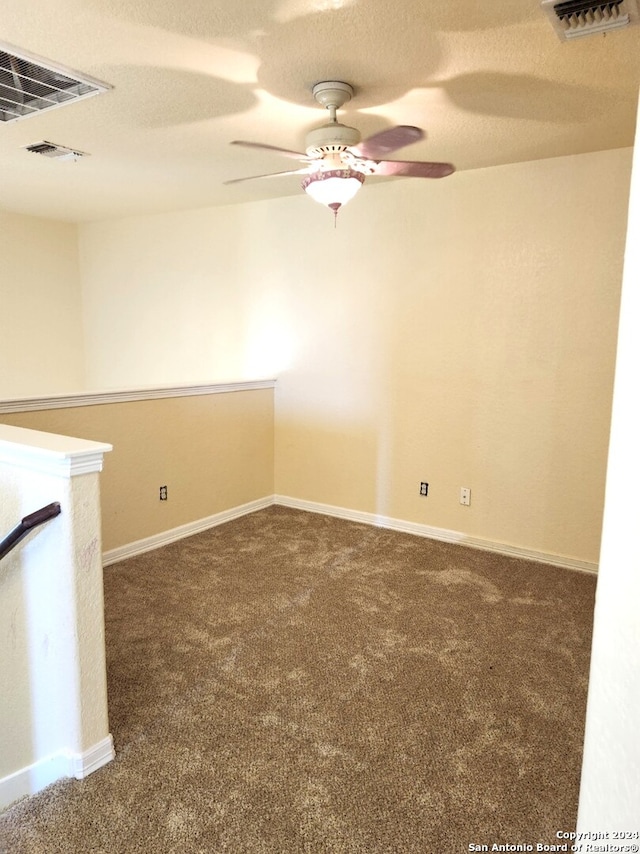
(53, 694)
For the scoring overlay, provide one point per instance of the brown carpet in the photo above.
(289, 682)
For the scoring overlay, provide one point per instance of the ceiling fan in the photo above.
(337, 161)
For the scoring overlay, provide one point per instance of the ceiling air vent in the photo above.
(29, 85)
(574, 18)
(51, 149)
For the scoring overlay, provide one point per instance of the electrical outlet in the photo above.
(163, 493)
(424, 488)
(465, 495)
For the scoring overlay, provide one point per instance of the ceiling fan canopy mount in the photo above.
(333, 93)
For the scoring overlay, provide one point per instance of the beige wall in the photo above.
(164, 300)
(41, 346)
(213, 452)
(460, 332)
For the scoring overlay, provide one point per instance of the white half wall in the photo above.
(53, 703)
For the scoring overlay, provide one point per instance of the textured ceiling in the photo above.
(490, 83)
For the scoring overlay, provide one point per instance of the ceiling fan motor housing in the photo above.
(331, 138)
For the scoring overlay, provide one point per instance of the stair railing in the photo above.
(26, 525)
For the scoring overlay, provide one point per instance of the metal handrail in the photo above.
(26, 525)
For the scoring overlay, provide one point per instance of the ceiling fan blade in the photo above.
(383, 143)
(414, 168)
(297, 155)
(269, 175)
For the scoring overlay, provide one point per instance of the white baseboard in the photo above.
(83, 764)
(165, 537)
(442, 534)
(416, 528)
(32, 779)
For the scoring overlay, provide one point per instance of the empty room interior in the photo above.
(346, 554)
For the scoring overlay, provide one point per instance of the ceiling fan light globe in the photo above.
(334, 188)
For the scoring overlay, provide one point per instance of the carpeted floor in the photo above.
(289, 682)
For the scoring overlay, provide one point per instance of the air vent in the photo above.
(29, 85)
(51, 149)
(574, 18)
